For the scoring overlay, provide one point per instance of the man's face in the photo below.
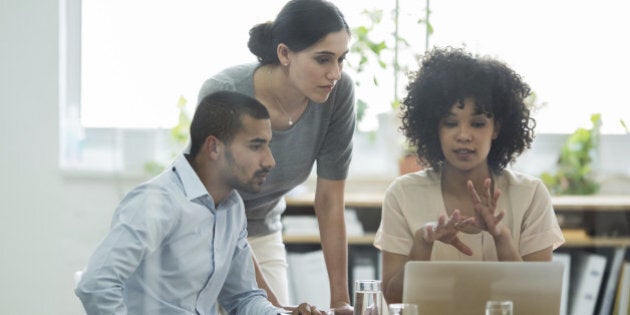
(248, 156)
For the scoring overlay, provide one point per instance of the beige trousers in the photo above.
(271, 255)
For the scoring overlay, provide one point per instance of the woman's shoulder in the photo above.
(234, 78)
(235, 73)
(518, 183)
(517, 178)
(423, 178)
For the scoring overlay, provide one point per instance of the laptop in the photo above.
(463, 287)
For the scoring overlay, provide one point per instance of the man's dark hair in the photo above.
(220, 114)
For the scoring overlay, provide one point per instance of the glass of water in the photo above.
(499, 308)
(368, 297)
(403, 309)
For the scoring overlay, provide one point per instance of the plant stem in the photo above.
(426, 23)
(397, 10)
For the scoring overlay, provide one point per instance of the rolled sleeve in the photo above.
(392, 234)
(540, 230)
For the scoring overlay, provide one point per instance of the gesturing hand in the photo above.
(485, 207)
(446, 231)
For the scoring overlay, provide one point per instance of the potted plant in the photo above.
(368, 50)
(574, 174)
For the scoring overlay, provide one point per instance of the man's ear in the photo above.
(283, 54)
(213, 147)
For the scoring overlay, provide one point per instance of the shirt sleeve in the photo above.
(393, 234)
(240, 293)
(540, 226)
(212, 85)
(138, 227)
(333, 160)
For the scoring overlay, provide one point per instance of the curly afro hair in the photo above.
(448, 76)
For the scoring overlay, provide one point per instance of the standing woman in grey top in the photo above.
(299, 78)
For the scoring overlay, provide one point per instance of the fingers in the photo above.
(473, 192)
(500, 216)
(487, 185)
(429, 231)
(495, 198)
(493, 228)
(470, 221)
(446, 231)
(306, 309)
(441, 220)
(457, 243)
(487, 207)
(455, 217)
(489, 196)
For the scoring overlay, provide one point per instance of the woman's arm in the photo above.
(393, 274)
(394, 266)
(329, 208)
(262, 283)
(506, 250)
(541, 255)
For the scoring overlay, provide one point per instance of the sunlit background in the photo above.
(139, 56)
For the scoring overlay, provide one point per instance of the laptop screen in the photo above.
(463, 287)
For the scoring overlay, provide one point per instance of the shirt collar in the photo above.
(193, 187)
(192, 184)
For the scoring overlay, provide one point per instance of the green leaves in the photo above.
(180, 132)
(179, 135)
(574, 172)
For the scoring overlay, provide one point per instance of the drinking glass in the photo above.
(403, 309)
(499, 307)
(368, 297)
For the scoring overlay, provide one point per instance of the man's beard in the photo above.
(236, 183)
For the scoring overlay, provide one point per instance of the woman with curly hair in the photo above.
(467, 117)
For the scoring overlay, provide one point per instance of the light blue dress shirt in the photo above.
(171, 251)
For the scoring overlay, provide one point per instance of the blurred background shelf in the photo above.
(366, 239)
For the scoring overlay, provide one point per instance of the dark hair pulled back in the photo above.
(299, 25)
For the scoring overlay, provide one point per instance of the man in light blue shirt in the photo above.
(178, 242)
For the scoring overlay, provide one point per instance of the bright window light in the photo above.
(139, 57)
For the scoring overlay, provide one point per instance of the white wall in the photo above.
(49, 223)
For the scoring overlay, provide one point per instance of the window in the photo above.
(572, 53)
(138, 57)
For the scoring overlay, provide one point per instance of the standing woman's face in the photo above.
(315, 70)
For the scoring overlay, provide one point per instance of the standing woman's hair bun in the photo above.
(299, 25)
(260, 43)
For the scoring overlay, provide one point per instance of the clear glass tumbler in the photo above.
(403, 309)
(494, 307)
(368, 297)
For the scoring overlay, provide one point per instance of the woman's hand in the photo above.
(344, 310)
(486, 206)
(445, 230)
(304, 309)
